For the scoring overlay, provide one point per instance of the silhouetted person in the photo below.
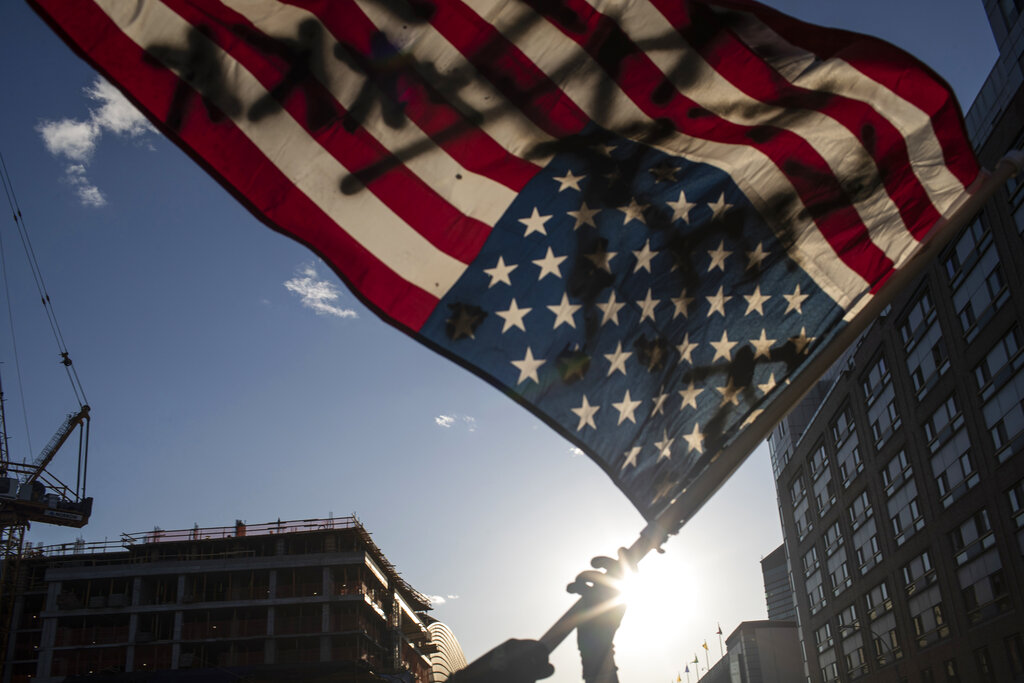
(526, 661)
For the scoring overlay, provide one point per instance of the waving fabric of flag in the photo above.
(639, 220)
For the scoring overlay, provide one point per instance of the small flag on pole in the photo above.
(644, 223)
(719, 631)
(705, 645)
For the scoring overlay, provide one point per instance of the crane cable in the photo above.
(37, 276)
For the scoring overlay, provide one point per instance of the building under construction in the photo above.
(315, 599)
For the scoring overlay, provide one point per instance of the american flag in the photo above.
(642, 220)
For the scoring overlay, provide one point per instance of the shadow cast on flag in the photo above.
(648, 223)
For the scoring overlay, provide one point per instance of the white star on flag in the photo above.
(618, 359)
(695, 439)
(796, 301)
(610, 309)
(569, 180)
(535, 223)
(564, 312)
(626, 408)
(513, 317)
(549, 265)
(584, 216)
(681, 208)
(586, 414)
(500, 272)
(718, 302)
(634, 211)
(528, 367)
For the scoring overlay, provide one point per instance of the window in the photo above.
(829, 667)
(952, 673)
(859, 510)
(810, 560)
(819, 461)
(952, 465)
(815, 592)
(921, 313)
(918, 573)
(973, 537)
(839, 573)
(849, 459)
(797, 489)
(885, 640)
(942, 423)
(980, 294)
(876, 380)
(905, 513)
(983, 663)
(803, 518)
(848, 621)
(928, 617)
(1015, 653)
(824, 493)
(883, 417)
(823, 637)
(928, 361)
(878, 601)
(896, 472)
(965, 252)
(1000, 363)
(833, 539)
(856, 666)
(842, 426)
(1016, 496)
(983, 587)
(866, 548)
(1004, 417)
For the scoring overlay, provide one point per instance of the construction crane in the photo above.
(32, 491)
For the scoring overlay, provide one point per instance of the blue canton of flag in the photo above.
(638, 304)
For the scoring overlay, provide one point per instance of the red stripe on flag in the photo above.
(826, 201)
(733, 59)
(426, 106)
(235, 162)
(884, 63)
(407, 195)
(525, 86)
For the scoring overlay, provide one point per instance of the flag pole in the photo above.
(721, 466)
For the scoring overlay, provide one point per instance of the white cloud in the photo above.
(116, 114)
(77, 140)
(318, 295)
(441, 599)
(88, 193)
(447, 421)
(576, 452)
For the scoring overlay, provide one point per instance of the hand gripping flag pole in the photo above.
(668, 523)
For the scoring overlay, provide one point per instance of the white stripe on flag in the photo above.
(803, 69)
(471, 194)
(502, 121)
(312, 170)
(601, 99)
(705, 86)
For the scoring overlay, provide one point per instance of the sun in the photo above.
(661, 599)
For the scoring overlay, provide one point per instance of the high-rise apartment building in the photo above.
(778, 593)
(311, 600)
(901, 478)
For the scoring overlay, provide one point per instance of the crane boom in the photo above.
(56, 441)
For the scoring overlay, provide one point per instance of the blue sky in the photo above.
(233, 377)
